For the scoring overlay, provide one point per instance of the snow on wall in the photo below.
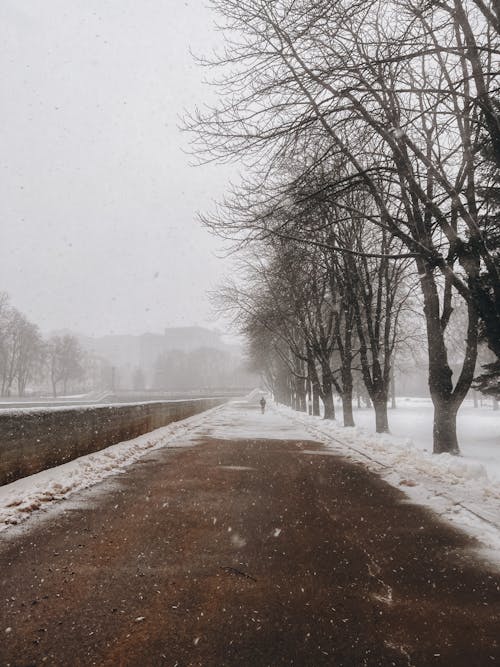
(21, 499)
(36, 439)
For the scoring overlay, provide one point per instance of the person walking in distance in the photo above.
(262, 404)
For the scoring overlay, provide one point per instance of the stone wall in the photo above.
(37, 439)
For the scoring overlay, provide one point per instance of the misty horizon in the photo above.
(234, 337)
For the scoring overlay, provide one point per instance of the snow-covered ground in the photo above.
(478, 429)
(464, 490)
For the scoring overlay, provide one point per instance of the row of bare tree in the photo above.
(369, 132)
(25, 357)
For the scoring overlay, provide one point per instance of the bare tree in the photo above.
(406, 104)
(65, 361)
(21, 349)
(30, 355)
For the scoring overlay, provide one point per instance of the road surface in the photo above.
(252, 547)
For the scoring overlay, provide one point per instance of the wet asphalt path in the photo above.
(245, 552)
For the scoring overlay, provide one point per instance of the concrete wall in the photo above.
(33, 440)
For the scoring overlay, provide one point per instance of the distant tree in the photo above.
(65, 361)
(21, 348)
(30, 354)
(5, 331)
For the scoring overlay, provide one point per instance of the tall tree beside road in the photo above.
(402, 94)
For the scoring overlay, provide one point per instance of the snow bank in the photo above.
(478, 429)
(19, 499)
(458, 489)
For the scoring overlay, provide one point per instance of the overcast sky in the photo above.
(97, 199)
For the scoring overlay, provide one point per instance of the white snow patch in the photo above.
(237, 541)
(384, 598)
(478, 430)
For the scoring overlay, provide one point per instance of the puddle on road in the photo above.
(236, 468)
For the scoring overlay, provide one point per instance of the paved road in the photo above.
(245, 552)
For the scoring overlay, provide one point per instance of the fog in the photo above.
(98, 199)
(277, 442)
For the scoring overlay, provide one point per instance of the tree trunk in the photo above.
(315, 385)
(381, 421)
(445, 428)
(347, 408)
(315, 405)
(328, 404)
(347, 387)
(440, 373)
(317, 392)
(327, 395)
(301, 397)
